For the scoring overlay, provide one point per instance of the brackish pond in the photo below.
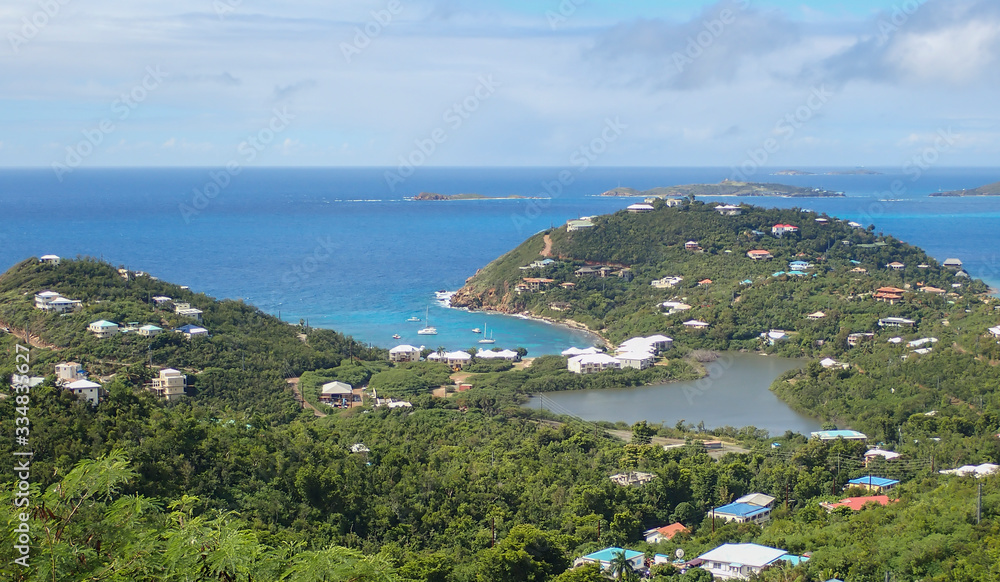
(735, 393)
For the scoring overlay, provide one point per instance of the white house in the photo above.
(774, 336)
(695, 324)
(816, 316)
(43, 298)
(580, 224)
(67, 372)
(190, 312)
(169, 385)
(52, 301)
(574, 351)
(150, 331)
(640, 208)
(103, 329)
(760, 255)
(639, 345)
(667, 282)
(674, 202)
(780, 230)
(675, 307)
(729, 210)
(192, 331)
(89, 391)
(636, 360)
(161, 299)
(995, 331)
(592, 363)
(336, 394)
(404, 353)
(50, 259)
(896, 266)
(739, 561)
(452, 359)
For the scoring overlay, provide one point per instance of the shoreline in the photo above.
(566, 323)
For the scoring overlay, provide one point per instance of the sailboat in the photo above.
(486, 340)
(428, 330)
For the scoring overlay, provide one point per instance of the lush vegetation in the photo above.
(236, 482)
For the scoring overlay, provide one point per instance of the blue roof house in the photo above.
(877, 484)
(743, 512)
(605, 556)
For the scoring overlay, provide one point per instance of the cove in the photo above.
(735, 393)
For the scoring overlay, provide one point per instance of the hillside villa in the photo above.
(150, 331)
(667, 282)
(339, 395)
(68, 372)
(874, 484)
(169, 385)
(780, 230)
(665, 533)
(755, 507)
(404, 353)
(103, 329)
(632, 479)
(760, 255)
(49, 259)
(696, 324)
(741, 561)
(639, 208)
(89, 391)
(896, 266)
(52, 301)
(192, 331)
(575, 351)
(578, 224)
(729, 210)
(592, 363)
(454, 360)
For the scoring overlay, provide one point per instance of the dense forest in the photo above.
(237, 482)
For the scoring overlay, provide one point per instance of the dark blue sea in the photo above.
(342, 249)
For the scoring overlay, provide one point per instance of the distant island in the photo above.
(726, 188)
(987, 190)
(857, 172)
(435, 196)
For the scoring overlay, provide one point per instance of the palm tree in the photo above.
(621, 568)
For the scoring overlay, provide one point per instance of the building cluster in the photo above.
(638, 353)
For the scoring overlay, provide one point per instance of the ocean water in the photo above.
(342, 249)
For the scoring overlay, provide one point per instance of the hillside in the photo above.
(987, 190)
(234, 483)
(746, 297)
(726, 188)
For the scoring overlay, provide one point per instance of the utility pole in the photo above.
(979, 505)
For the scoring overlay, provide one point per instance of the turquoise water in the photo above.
(341, 249)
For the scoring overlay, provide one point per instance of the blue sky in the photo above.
(491, 83)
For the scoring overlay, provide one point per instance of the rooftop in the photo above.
(873, 481)
(752, 555)
(741, 509)
(830, 435)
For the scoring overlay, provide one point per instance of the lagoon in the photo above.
(735, 393)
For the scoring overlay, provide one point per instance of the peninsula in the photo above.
(987, 190)
(725, 188)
